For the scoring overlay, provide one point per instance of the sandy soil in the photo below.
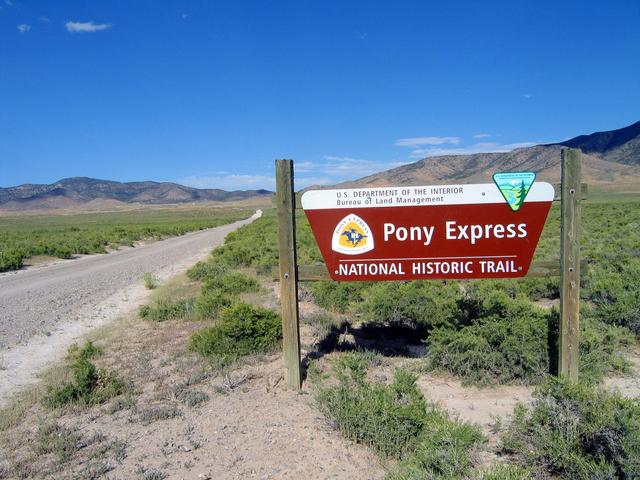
(628, 385)
(46, 308)
(249, 424)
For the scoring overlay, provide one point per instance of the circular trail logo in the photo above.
(352, 236)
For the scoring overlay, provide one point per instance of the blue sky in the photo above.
(209, 93)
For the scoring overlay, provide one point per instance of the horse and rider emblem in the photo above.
(352, 236)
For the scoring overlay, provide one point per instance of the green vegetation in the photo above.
(506, 472)
(426, 305)
(90, 385)
(444, 450)
(56, 439)
(489, 331)
(577, 432)
(66, 235)
(602, 348)
(506, 341)
(396, 422)
(241, 330)
(231, 283)
(157, 413)
(338, 296)
(510, 340)
(209, 304)
(86, 352)
(486, 331)
(150, 281)
(193, 398)
(163, 309)
(203, 270)
(613, 289)
(219, 290)
(256, 245)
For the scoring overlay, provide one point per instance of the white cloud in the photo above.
(347, 168)
(85, 27)
(24, 28)
(422, 147)
(484, 147)
(527, 95)
(418, 141)
(335, 169)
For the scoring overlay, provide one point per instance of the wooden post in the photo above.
(570, 264)
(285, 201)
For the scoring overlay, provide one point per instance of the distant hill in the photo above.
(621, 146)
(82, 191)
(610, 160)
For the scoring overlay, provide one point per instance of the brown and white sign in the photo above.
(426, 232)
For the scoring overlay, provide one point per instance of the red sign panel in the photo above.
(430, 232)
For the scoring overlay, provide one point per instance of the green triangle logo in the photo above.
(514, 187)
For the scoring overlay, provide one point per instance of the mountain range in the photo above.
(610, 160)
(86, 192)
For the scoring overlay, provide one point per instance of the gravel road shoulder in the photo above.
(46, 309)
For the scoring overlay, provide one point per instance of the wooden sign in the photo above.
(428, 232)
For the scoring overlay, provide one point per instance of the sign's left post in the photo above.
(285, 201)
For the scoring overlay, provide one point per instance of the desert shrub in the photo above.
(506, 472)
(150, 281)
(337, 296)
(256, 245)
(506, 341)
(482, 300)
(386, 418)
(90, 386)
(533, 288)
(156, 413)
(396, 421)
(424, 304)
(576, 431)
(11, 259)
(601, 349)
(613, 289)
(252, 245)
(539, 288)
(86, 352)
(601, 346)
(241, 330)
(52, 438)
(509, 340)
(166, 309)
(192, 398)
(443, 450)
(205, 270)
(231, 283)
(209, 304)
(67, 235)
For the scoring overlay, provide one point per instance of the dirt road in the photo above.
(45, 309)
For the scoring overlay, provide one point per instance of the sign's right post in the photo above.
(570, 264)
